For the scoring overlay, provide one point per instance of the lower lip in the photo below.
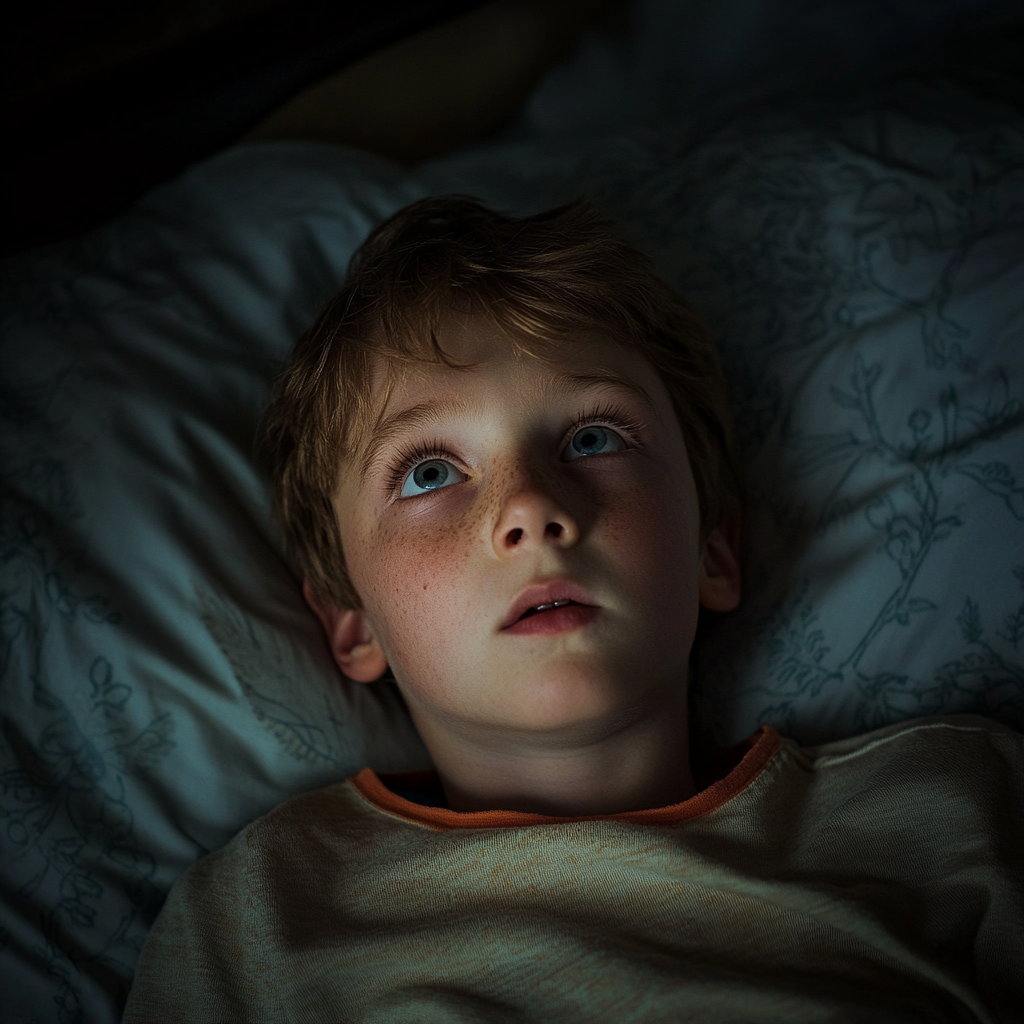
(555, 620)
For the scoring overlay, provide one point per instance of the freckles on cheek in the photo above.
(411, 582)
(403, 570)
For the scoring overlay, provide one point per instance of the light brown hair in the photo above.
(543, 279)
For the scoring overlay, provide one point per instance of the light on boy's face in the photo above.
(524, 535)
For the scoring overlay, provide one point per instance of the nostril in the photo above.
(554, 530)
(514, 536)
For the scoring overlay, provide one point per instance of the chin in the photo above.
(572, 699)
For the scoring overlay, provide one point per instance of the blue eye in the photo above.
(593, 441)
(430, 476)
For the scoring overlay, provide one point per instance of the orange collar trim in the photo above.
(763, 746)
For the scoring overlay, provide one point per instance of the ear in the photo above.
(348, 635)
(720, 567)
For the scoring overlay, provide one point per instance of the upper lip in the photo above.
(545, 593)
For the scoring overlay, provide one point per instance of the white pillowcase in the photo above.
(163, 682)
(863, 273)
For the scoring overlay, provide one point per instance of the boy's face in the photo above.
(517, 485)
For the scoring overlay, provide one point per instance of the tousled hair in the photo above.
(542, 279)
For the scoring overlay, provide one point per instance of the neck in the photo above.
(607, 769)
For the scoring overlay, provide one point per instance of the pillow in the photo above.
(163, 683)
(862, 271)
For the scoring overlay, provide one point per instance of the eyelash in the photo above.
(407, 459)
(608, 415)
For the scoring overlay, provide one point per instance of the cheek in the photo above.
(411, 577)
(652, 535)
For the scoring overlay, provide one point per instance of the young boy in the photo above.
(503, 468)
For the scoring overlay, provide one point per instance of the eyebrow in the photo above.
(577, 383)
(388, 427)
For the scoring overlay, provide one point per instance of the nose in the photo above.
(531, 519)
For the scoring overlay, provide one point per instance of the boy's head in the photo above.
(502, 454)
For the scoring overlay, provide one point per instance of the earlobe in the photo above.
(720, 567)
(355, 650)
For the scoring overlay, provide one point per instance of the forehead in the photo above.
(476, 355)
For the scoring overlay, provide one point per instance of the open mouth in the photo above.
(537, 609)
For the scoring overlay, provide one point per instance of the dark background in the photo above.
(102, 99)
(105, 98)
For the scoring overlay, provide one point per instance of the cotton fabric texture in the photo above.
(875, 879)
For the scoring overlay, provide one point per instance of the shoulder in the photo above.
(200, 961)
(306, 824)
(950, 771)
(296, 840)
(957, 735)
(905, 803)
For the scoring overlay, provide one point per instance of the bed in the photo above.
(855, 242)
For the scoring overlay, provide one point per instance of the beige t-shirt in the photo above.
(876, 879)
